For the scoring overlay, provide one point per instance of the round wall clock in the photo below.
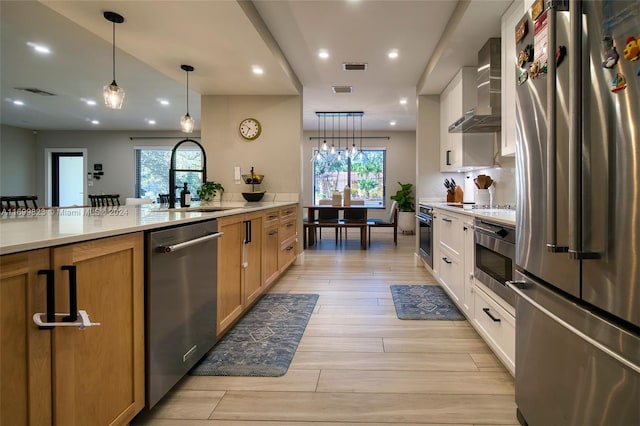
(250, 129)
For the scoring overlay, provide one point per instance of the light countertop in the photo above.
(505, 216)
(39, 228)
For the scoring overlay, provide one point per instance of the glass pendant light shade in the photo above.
(187, 123)
(112, 93)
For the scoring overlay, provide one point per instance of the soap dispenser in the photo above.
(185, 196)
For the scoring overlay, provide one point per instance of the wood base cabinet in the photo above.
(66, 375)
(240, 280)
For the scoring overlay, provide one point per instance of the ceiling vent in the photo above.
(35, 91)
(354, 66)
(342, 89)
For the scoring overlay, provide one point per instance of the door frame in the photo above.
(48, 168)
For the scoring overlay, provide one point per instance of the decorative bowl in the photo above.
(253, 196)
(256, 179)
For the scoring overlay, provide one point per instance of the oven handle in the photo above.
(489, 231)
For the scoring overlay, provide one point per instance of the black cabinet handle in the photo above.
(247, 231)
(448, 157)
(51, 301)
(73, 294)
(444, 219)
(486, 311)
(289, 225)
(274, 232)
(447, 261)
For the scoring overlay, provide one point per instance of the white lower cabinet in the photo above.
(496, 326)
(453, 266)
(451, 275)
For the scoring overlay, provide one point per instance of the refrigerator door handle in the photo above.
(552, 189)
(575, 138)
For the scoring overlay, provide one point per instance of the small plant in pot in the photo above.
(209, 190)
(406, 207)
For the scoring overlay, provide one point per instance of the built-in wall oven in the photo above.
(425, 220)
(495, 254)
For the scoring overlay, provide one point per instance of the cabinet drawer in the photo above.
(287, 253)
(451, 232)
(287, 230)
(288, 213)
(271, 217)
(451, 275)
(499, 332)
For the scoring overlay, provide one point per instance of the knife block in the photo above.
(456, 197)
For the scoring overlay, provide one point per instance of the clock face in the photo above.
(250, 128)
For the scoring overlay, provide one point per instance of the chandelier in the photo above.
(342, 126)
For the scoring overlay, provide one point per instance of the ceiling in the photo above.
(223, 40)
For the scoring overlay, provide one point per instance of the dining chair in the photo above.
(390, 222)
(328, 217)
(351, 216)
(105, 200)
(18, 202)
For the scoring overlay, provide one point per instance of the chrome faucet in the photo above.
(173, 170)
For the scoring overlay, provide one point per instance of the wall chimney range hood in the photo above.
(486, 116)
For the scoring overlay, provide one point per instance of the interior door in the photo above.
(67, 179)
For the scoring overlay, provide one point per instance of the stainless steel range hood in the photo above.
(486, 117)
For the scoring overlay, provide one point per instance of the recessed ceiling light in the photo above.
(163, 102)
(90, 102)
(403, 101)
(18, 102)
(95, 122)
(39, 48)
(323, 53)
(392, 123)
(393, 54)
(257, 70)
(151, 121)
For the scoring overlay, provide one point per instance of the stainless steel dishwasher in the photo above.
(181, 273)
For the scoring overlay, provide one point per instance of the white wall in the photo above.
(17, 162)
(400, 166)
(275, 154)
(114, 150)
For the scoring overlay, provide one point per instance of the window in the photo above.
(364, 174)
(152, 171)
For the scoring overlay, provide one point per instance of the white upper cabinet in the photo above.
(510, 20)
(462, 151)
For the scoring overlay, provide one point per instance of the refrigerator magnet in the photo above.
(521, 30)
(618, 83)
(523, 76)
(611, 58)
(632, 49)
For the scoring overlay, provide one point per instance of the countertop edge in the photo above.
(490, 214)
(39, 239)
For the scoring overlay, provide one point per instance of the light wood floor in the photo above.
(357, 363)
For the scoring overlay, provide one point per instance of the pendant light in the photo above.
(187, 123)
(113, 94)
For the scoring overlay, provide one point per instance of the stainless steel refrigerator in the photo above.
(578, 214)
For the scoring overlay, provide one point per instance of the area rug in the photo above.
(424, 302)
(264, 341)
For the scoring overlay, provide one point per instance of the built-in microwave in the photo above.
(495, 246)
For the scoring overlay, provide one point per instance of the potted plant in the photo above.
(406, 207)
(208, 191)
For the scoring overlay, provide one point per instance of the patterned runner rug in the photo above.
(264, 341)
(424, 302)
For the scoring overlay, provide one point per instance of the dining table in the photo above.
(313, 222)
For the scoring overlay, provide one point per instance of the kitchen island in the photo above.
(56, 262)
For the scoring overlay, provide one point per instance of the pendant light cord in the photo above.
(187, 92)
(114, 51)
